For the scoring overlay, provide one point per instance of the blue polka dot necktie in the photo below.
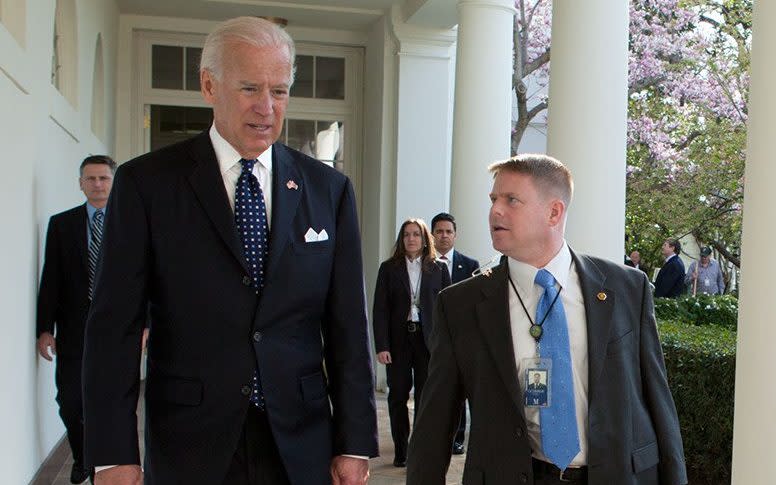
(560, 437)
(95, 243)
(250, 214)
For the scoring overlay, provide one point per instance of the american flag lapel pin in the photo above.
(292, 185)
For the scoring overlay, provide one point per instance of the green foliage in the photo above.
(702, 309)
(700, 361)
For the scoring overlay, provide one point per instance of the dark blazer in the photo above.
(670, 279)
(392, 301)
(63, 299)
(633, 428)
(463, 266)
(171, 239)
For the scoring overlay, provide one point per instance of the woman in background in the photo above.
(407, 285)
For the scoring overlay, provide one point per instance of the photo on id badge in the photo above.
(537, 386)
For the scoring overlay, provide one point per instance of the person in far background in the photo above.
(407, 285)
(73, 245)
(670, 279)
(634, 261)
(705, 277)
(460, 267)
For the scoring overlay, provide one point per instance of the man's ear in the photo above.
(557, 212)
(207, 85)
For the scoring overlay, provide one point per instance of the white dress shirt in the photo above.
(448, 260)
(229, 162)
(413, 271)
(564, 271)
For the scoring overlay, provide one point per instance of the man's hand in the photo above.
(347, 470)
(384, 357)
(46, 341)
(120, 475)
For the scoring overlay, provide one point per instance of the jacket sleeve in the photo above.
(688, 276)
(439, 413)
(658, 396)
(346, 340)
(49, 294)
(112, 348)
(381, 311)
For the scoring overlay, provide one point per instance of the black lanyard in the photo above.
(536, 328)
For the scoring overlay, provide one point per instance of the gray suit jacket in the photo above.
(633, 430)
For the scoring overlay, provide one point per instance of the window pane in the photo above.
(303, 81)
(171, 124)
(192, 68)
(301, 136)
(166, 67)
(330, 77)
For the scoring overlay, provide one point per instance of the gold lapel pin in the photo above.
(601, 296)
(292, 185)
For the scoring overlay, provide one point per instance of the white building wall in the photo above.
(44, 140)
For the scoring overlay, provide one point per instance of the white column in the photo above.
(482, 115)
(755, 416)
(587, 118)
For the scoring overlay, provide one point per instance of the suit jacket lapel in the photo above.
(494, 323)
(285, 200)
(208, 185)
(81, 236)
(599, 303)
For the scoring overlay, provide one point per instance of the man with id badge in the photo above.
(557, 352)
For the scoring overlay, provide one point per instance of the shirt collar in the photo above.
(90, 210)
(671, 256)
(523, 274)
(228, 157)
(449, 254)
(414, 261)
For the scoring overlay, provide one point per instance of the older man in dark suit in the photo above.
(585, 323)
(72, 248)
(259, 370)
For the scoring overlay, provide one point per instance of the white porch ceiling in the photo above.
(331, 14)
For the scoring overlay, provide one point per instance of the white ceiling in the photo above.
(331, 14)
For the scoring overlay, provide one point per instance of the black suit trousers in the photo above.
(68, 381)
(256, 460)
(409, 365)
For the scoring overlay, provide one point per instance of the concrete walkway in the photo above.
(57, 469)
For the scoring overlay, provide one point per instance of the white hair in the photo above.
(251, 30)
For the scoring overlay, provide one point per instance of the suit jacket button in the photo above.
(524, 478)
(519, 433)
(246, 390)
(257, 336)
(247, 280)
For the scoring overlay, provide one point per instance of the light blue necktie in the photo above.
(560, 438)
(250, 215)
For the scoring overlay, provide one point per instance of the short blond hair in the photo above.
(549, 174)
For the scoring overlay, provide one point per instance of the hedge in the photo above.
(700, 361)
(699, 310)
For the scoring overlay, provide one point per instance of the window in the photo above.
(175, 67)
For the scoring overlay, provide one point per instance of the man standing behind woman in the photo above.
(407, 284)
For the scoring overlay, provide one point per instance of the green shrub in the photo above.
(699, 310)
(700, 361)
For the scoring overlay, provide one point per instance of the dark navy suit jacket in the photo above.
(463, 266)
(63, 300)
(171, 240)
(670, 279)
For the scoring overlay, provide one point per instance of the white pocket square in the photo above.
(312, 236)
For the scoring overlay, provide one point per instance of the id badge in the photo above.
(707, 282)
(538, 375)
(415, 313)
